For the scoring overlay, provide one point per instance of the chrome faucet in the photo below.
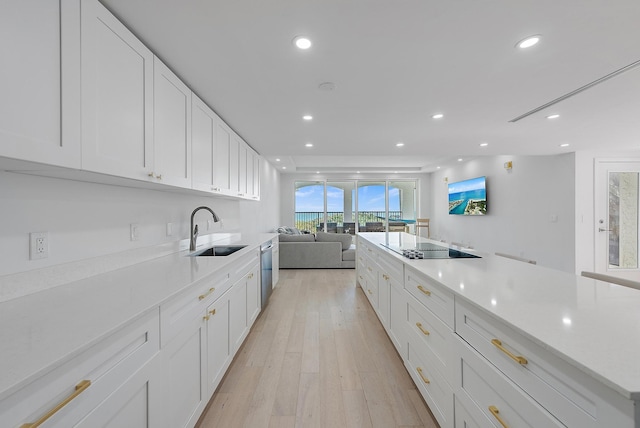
(194, 230)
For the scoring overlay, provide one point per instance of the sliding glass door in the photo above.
(355, 205)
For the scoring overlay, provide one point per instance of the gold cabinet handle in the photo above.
(517, 358)
(159, 177)
(424, 290)
(204, 296)
(370, 292)
(424, 379)
(206, 317)
(422, 329)
(385, 276)
(496, 414)
(250, 275)
(80, 388)
(150, 174)
(212, 312)
(369, 269)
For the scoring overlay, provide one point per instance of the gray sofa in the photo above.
(322, 251)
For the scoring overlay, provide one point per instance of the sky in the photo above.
(466, 185)
(371, 198)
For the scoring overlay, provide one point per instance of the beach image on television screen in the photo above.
(468, 197)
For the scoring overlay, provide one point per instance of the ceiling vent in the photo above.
(577, 91)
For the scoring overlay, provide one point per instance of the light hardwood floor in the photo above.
(317, 357)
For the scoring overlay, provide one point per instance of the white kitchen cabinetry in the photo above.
(569, 395)
(242, 169)
(203, 128)
(429, 331)
(30, 81)
(172, 128)
(219, 353)
(221, 158)
(234, 167)
(116, 96)
(124, 362)
(275, 262)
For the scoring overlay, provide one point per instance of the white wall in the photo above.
(287, 188)
(521, 207)
(86, 220)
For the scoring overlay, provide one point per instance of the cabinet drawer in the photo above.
(88, 379)
(392, 268)
(181, 310)
(371, 290)
(573, 397)
(480, 385)
(434, 296)
(429, 333)
(244, 266)
(435, 390)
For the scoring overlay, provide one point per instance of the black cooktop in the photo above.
(427, 250)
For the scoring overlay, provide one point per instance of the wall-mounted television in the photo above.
(468, 197)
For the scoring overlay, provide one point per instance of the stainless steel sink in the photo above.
(218, 251)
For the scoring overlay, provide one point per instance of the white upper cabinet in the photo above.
(221, 157)
(172, 128)
(234, 170)
(30, 125)
(203, 128)
(117, 96)
(242, 169)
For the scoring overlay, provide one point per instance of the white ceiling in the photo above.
(394, 64)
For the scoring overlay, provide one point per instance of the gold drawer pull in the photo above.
(79, 390)
(517, 358)
(496, 414)
(206, 317)
(250, 275)
(424, 290)
(204, 296)
(369, 269)
(370, 292)
(424, 379)
(425, 332)
(212, 312)
(385, 276)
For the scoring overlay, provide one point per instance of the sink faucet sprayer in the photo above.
(193, 231)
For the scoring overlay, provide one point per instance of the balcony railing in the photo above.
(310, 220)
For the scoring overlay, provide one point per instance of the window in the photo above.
(334, 206)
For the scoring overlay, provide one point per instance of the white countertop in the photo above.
(40, 331)
(593, 325)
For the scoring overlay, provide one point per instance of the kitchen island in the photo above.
(556, 348)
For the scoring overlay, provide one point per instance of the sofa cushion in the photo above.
(344, 238)
(295, 238)
(289, 230)
(349, 254)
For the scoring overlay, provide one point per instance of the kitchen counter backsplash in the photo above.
(25, 283)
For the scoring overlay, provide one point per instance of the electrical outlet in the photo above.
(209, 224)
(38, 245)
(169, 229)
(133, 231)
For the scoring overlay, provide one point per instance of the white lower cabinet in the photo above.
(81, 391)
(218, 344)
(238, 315)
(486, 391)
(184, 375)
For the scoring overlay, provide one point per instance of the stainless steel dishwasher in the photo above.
(266, 271)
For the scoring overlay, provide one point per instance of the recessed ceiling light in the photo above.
(553, 116)
(284, 167)
(307, 117)
(484, 144)
(395, 172)
(459, 159)
(317, 172)
(278, 160)
(564, 145)
(357, 172)
(437, 167)
(308, 145)
(399, 144)
(437, 116)
(302, 42)
(528, 42)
